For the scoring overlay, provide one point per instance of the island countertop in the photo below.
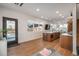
(50, 31)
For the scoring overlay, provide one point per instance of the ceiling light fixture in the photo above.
(60, 14)
(37, 9)
(57, 12)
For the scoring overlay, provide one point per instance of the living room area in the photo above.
(37, 29)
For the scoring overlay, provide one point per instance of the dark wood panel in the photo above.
(66, 42)
(69, 26)
(51, 36)
(78, 33)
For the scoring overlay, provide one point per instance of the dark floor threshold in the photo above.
(77, 51)
(12, 45)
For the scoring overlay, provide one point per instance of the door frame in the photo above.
(16, 29)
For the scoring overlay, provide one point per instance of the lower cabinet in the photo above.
(66, 42)
(3, 47)
(51, 36)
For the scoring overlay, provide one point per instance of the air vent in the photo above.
(19, 4)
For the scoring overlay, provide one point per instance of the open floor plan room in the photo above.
(38, 29)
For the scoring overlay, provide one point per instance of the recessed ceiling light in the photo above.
(37, 9)
(57, 12)
(42, 16)
(60, 14)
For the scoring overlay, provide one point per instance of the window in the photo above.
(59, 27)
(34, 26)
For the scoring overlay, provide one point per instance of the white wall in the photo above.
(23, 34)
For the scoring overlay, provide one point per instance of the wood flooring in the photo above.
(28, 48)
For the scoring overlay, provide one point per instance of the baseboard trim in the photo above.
(30, 40)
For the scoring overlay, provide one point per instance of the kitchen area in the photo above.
(61, 32)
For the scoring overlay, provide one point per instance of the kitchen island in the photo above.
(50, 36)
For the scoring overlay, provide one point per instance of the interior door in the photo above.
(10, 27)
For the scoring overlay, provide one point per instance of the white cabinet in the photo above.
(3, 47)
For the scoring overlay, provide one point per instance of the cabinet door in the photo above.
(78, 33)
(44, 36)
(66, 42)
(69, 26)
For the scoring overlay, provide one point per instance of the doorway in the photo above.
(10, 27)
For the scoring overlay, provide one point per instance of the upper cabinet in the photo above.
(70, 25)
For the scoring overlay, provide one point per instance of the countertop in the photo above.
(66, 34)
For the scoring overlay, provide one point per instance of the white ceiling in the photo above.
(48, 10)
